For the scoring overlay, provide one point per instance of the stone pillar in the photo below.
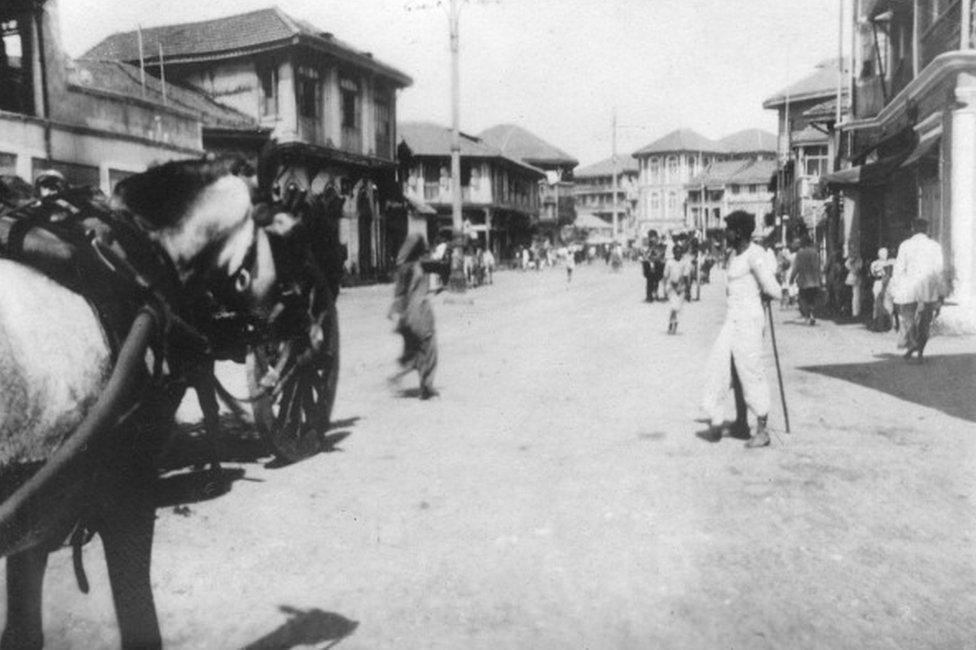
(962, 187)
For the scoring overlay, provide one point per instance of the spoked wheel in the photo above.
(294, 420)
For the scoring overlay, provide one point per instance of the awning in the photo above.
(924, 146)
(866, 175)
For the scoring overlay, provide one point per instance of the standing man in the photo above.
(805, 272)
(918, 287)
(736, 357)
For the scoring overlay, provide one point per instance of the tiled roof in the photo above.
(516, 142)
(827, 109)
(749, 141)
(718, 173)
(605, 167)
(809, 135)
(123, 79)
(229, 36)
(681, 140)
(759, 171)
(822, 82)
(590, 221)
(429, 139)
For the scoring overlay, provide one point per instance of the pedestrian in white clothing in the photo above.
(736, 358)
(917, 287)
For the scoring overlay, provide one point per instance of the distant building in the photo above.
(594, 193)
(670, 166)
(331, 110)
(500, 197)
(94, 122)
(729, 185)
(557, 204)
(805, 115)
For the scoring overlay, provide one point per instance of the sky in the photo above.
(559, 68)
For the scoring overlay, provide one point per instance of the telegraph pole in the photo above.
(458, 282)
(613, 160)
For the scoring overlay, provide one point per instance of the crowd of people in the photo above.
(905, 292)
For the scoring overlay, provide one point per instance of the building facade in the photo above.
(912, 136)
(668, 169)
(593, 192)
(729, 185)
(330, 109)
(556, 194)
(94, 123)
(806, 114)
(500, 199)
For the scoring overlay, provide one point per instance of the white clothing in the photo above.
(917, 272)
(439, 251)
(740, 340)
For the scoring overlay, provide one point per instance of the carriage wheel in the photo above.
(294, 421)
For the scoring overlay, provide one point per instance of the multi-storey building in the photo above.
(912, 135)
(499, 195)
(729, 185)
(331, 110)
(666, 166)
(94, 122)
(805, 114)
(594, 193)
(556, 190)
(669, 168)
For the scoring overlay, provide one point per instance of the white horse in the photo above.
(56, 365)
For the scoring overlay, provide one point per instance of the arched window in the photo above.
(655, 170)
(672, 168)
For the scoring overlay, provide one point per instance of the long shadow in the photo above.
(306, 628)
(946, 382)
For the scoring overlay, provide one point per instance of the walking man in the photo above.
(677, 273)
(736, 357)
(806, 273)
(918, 287)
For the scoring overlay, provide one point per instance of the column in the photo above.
(487, 229)
(962, 189)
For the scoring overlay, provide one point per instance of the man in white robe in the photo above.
(736, 358)
(918, 287)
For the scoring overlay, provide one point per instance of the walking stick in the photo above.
(779, 373)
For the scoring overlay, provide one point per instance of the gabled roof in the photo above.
(718, 173)
(232, 36)
(516, 142)
(758, 172)
(605, 168)
(122, 79)
(749, 141)
(826, 111)
(821, 83)
(429, 139)
(681, 140)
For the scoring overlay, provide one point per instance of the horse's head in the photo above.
(200, 214)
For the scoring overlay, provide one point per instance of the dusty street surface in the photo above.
(556, 496)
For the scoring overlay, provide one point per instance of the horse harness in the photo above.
(105, 256)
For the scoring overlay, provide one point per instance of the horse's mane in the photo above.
(161, 195)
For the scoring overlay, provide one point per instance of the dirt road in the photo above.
(556, 496)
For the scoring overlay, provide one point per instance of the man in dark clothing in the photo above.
(806, 273)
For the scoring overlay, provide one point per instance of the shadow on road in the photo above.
(306, 628)
(946, 383)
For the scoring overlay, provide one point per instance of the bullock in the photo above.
(90, 378)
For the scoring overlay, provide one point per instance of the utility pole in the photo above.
(458, 282)
(613, 160)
